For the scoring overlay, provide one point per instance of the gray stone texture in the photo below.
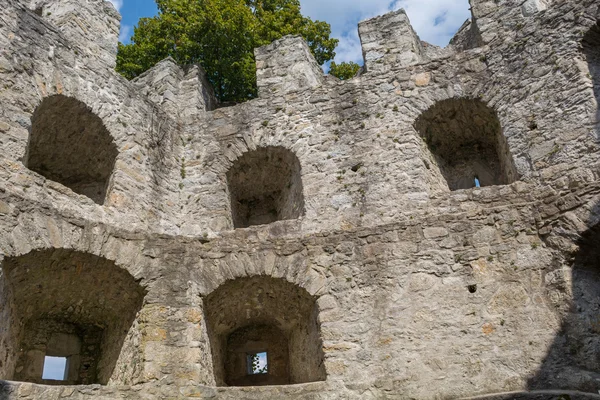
(391, 284)
(389, 40)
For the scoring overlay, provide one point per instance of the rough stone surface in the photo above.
(387, 284)
(531, 7)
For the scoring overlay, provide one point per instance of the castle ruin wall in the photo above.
(405, 285)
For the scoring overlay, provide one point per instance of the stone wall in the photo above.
(91, 25)
(391, 284)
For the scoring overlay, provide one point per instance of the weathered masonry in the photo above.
(428, 229)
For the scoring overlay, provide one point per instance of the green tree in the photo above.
(344, 70)
(221, 36)
(256, 368)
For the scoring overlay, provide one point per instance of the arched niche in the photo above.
(264, 316)
(69, 144)
(591, 50)
(573, 358)
(582, 326)
(265, 185)
(466, 141)
(64, 304)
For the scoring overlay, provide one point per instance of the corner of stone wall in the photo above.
(389, 40)
(468, 37)
(160, 84)
(486, 15)
(91, 26)
(286, 65)
(196, 92)
(483, 16)
(183, 92)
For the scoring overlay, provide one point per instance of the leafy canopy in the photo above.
(221, 36)
(344, 70)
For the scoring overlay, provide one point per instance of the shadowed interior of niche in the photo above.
(70, 145)
(265, 186)
(573, 359)
(591, 50)
(62, 303)
(247, 316)
(466, 141)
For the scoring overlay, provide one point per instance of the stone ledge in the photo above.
(17, 390)
(537, 395)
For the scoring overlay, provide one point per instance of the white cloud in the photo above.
(435, 21)
(117, 3)
(125, 34)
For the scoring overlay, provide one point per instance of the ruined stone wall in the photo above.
(392, 281)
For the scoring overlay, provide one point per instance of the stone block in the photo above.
(286, 65)
(531, 7)
(388, 41)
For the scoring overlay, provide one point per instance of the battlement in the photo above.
(427, 229)
(389, 39)
(286, 65)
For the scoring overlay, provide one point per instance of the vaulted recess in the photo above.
(270, 320)
(591, 49)
(265, 186)
(74, 307)
(465, 139)
(577, 344)
(581, 326)
(70, 145)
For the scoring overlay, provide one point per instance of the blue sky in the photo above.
(435, 21)
(54, 368)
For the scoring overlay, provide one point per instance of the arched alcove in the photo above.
(265, 186)
(74, 307)
(269, 318)
(70, 145)
(466, 141)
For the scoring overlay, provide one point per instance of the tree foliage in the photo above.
(221, 36)
(344, 70)
(256, 364)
